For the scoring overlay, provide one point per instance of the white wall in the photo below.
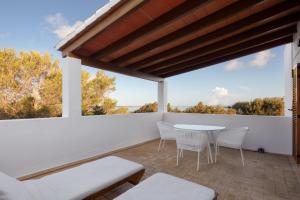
(272, 133)
(295, 47)
(31, 145)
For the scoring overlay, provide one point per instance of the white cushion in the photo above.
(84, 180)
(12, 189)
(162, 186)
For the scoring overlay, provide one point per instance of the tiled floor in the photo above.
(265, 176)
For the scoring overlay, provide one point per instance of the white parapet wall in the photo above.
(31, 145)
(272, 133)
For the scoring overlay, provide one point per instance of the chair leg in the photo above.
(198, 160)
(207, 155)
(216, 151)
(242, 156)
(178, 151)
(181, 153)
(160, 141)
(210, 155)
(164, 142)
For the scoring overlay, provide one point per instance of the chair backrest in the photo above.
(165, 129)
(191, 140)
(237, 135)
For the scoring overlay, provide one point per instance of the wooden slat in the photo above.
(113, 68)
(269, 45)
(221, 14)
(231, 41)
(296, 135)
(231, 50)
(88, 33)
(219, 34)
(165, 19)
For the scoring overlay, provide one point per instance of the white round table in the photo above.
(207, 128)
(198, 127)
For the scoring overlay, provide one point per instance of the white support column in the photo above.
(162, 94)
(295, 47)
(71, 87)
(288, 80)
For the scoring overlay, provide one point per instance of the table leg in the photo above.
(209, 149)
(210, 155)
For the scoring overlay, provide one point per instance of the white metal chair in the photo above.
(166, 131)
(231, 138)
(191, 141)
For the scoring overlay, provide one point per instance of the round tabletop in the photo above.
(198, 127)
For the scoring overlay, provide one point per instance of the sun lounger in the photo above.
(84, 181)
(162, 186)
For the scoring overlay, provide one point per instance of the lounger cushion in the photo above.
(162, 186)
(12, 189)
(84, 180)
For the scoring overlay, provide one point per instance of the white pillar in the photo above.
(162, 94)
(71, 87)
(288, 80)
(295, 47)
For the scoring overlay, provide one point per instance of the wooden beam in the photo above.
(107, 66)
(269, 45)
(230, 41)
(124, 10)
(163, 20)
(215, 17)
(219, 34)
(234, 49)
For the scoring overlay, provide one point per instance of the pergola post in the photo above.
(162, 94)
(71, 87)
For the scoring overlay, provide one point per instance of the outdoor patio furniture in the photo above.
(87, 180)
(162, 186)
(205, 129)
(192, 141)
(166, 131)
(231, 138)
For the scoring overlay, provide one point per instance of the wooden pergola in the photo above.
(154, 39)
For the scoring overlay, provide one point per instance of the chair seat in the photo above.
(162, 186)
(82, 181)
(228, 142)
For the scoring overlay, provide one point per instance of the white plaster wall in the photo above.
(31, 145)
(295, 48)
(272, 133)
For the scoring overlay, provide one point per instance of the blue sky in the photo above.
(39, 25)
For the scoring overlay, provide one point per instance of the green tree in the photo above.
(202, 108)
(175, 109)
(242, 108)
(273, 106)
(25, 78)
(95, 94)
(149, 107)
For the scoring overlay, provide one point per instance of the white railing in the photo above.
(31, 145)
(273, 133)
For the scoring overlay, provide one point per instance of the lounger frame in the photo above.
(133, 179)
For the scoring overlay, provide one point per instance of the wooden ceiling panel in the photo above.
(227, 31)
(119, 30)
(146, 13)
(165, 38)
(176, 25)
(255, 49)
(221, 14)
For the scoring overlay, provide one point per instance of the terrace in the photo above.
(156, 40)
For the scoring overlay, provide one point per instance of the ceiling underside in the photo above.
(156, 39)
